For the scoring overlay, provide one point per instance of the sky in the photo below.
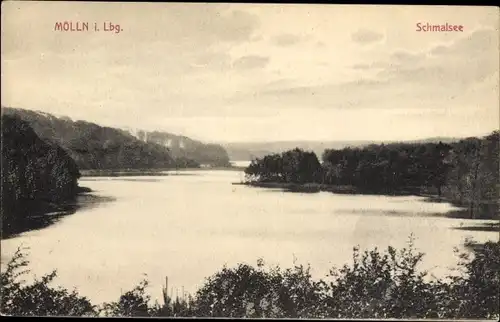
(257, 72)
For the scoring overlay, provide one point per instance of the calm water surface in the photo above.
(189, 226)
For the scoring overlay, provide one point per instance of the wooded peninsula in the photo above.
(465, 172)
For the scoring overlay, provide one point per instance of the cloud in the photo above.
(441, 75)
(190, 26)
(235, 27)
(477, 41)
(213, 61)
(462, 63)
(362, 66)
(364, 36)
(371, 66)
(250, 62)
(363, 93)
(406, 57)
(456, 65)
(326, 89)
(285, 40)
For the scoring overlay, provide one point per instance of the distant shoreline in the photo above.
(344, 189)
(462, 213)
(317, 187)
(151, 172)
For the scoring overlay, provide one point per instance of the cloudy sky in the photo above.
(248, 72)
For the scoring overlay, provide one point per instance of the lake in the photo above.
(188, 226)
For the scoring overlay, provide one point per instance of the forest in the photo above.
(36, 175)
(465, 173)
(182, 147)
(95, 147)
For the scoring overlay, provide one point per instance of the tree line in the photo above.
(377, 284)
(95, 147)
(465, 172)
(35, 175)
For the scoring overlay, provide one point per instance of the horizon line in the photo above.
(305, 140)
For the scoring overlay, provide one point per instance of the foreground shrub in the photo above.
(382, 285)
(476, 293)
(132, 303)
(38, 299)
(377, 284)
(257, 293)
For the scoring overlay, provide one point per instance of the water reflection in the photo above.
(145, 177)
(188, 227)
(494, 227)
(54, 213)
(123, 179)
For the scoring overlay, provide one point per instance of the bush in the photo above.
(38, 299)
(259, 293)
(132, 303)
(376, 285)
(476, 293)
(382, 285)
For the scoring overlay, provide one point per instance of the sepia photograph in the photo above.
(244, 160)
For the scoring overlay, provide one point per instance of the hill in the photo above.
(251, 150)
(93, 146)
(36, 175)
(184, 147)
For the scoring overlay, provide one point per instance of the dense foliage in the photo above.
(98, 147)
(296, 166)
(465, 172)
(388, 167)
(38, 299)
(377, 284)
(93, 146)
(35, 174)
(184, 147)
(473, 180)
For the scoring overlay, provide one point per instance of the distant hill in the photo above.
(250, 150)
(436, 140)
(184, 147)
(93, 146)
(96, 147)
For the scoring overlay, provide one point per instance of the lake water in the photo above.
(240, 163)
(188, 226)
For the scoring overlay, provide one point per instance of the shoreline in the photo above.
(150, 172)
(48, 213)
(319, 187)
(461, 213)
